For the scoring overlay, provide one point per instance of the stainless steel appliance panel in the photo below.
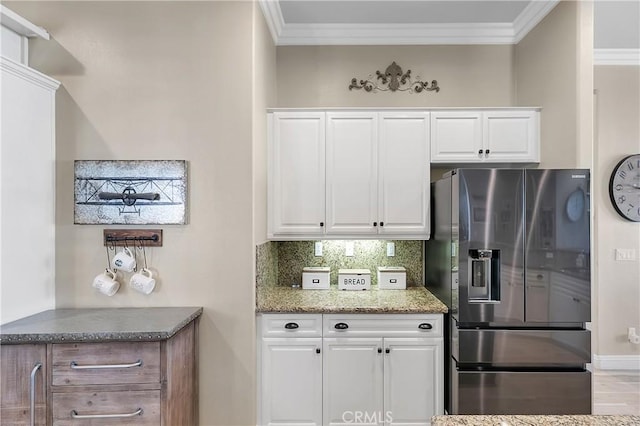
(557, 246)
(524, 348)
(490, 245)
(521, 392)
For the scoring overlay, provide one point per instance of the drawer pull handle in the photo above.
(291, 325)
(75, 415)
(425, 326)
(341, 326)
(32, 393)
(74, 365)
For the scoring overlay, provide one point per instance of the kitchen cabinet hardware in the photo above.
(317, 350)
(381, 223)
(321, 224)
(375, 223)
(486, 151)
(74, 365)
(124, 237)
(75, 415)
(379, 350)
(32, 393)
(291, 325)
(425, 326)
(479, 152)
(387, 350)
(341, 326)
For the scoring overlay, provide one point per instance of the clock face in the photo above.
(624, 188)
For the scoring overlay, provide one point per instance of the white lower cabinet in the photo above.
(382, 369)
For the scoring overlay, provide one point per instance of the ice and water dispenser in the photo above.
(484, 275)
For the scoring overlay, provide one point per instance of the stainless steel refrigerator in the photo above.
(510, 256)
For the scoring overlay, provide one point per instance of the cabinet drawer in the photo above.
(287, 325)
(385, 325)
(105, 363)
(106, 408)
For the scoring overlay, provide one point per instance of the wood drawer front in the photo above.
(288, 325)
(106, 403)
(384, 325)
(113, 355)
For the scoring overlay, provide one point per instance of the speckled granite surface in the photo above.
(287, 299)
(535, 420)
(98, 325)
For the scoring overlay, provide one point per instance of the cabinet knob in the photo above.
(321, 224)
(379, 350)
(486, 151)
(387, 350)
(317, 350)
(381, 223)
(479, 152)
(341, 326)
(375, 223)
(425, 326)
(291, 326)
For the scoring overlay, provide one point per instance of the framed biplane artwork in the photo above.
(138, 192)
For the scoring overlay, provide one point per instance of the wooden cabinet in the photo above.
(485, 136)
(23, 369)
(385, 369)
(115, 383)
(377, 174)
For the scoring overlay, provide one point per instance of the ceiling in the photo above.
(370, 22)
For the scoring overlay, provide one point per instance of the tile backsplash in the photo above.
(281, 262)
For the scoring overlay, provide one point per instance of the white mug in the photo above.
(143, 281)
(125, 260)
(106, 283)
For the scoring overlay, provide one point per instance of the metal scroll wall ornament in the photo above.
(393, 79)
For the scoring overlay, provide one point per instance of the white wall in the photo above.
(618, 292)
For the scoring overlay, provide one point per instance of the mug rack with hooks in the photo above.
(123, 237)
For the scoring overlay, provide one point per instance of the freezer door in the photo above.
(523, 348)
(502, 392)
(490, 245)
(557, 278)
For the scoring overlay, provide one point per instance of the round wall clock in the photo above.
(624, 187)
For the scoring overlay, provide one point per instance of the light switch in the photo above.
(391, 249)
(348, 248)
(318, 248)
(625, 254)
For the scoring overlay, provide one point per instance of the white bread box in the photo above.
(392, 277)
(316, 277)
(354, 279)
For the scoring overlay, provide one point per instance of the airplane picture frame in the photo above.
(130, 192)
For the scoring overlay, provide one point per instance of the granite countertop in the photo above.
(98, 325)
(288, 299)
(530, 420)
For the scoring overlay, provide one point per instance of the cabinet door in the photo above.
(352, 187)
(456, 137)
(413, 380)
(511, 136)
(352, 382)
(403, 174)
(291, 389)
(17, 362)
(296, 174)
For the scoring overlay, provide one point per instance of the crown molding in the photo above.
(17, 23)
(284, 34)
(28, 74)
(531, 16)
(616, 57)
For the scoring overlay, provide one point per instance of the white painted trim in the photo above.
(28, 74)
(616, 362)
(273, 16)
(616, 56)
(284, 34)
(17, 23)
(531, 16)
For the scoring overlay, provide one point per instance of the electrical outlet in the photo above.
(625, 254)
(348, 248)
(391, 249)
(633, 336)
(318, 248)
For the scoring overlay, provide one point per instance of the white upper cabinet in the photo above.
(296, 150)
(352, 187)
(488, 136)
(403, 174)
